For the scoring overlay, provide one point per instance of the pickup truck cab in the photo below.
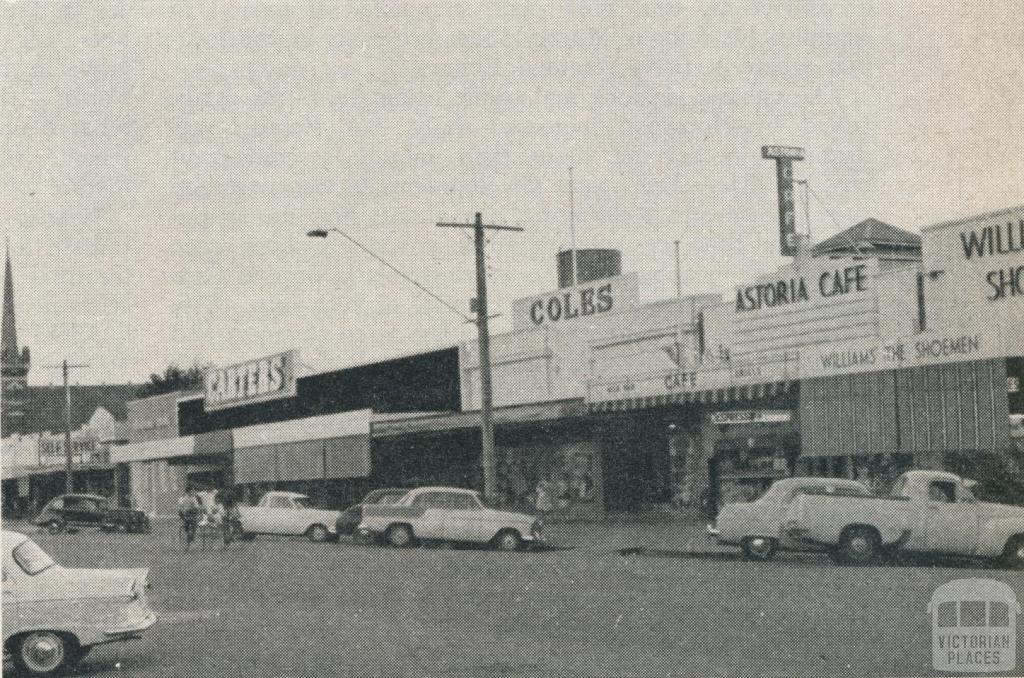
(926, 512)
(449, 514)
(288, 514)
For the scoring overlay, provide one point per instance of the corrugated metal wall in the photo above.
(935, 409)
(950, 408)
(848, 415)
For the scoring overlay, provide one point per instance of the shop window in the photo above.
(1015, 384)
(559, 475)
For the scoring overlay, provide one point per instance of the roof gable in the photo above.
(44, 406)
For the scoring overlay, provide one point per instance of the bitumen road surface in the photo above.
(619, 600)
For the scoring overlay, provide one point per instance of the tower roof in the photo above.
(871, 234)
(9, 333)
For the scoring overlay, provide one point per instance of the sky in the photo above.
(160, 163)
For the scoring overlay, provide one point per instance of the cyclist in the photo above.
(189, 510)
(231, 519)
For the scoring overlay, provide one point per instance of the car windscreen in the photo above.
(31, 558)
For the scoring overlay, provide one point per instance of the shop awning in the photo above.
(385, 426)
(12, 472)
(709, 397)
(26, 471)
(153, 449)
(329, 446)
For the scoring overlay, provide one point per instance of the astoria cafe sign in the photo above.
(799, 287)
(259, 380)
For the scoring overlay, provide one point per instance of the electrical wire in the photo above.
(835, 221)
(407, 278)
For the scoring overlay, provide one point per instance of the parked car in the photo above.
(927, 512)
(288, 513)
(449, 514)
(89, 510)
(350, 518)
(53, 616)
(756, 526)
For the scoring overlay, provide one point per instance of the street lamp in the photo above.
(323, 232)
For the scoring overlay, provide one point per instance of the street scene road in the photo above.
(511, 339)
(608, 600)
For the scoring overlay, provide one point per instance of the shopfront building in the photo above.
(590, 461)
(855, 363)
(259, 425)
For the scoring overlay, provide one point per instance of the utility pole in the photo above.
(489, 460)
(679, 275)
(66, 368)
(572, 231)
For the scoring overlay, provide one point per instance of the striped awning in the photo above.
(711, 396)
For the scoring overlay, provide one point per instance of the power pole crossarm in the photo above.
(488, 458)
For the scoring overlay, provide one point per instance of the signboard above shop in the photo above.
(975, 269)
(751, 417)
(578, 302)
(259, 380)
(819, 301)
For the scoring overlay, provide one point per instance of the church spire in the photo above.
(9, 334)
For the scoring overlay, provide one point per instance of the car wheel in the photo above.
(1013, 554)
(318, 533)
(858, 546)
(55, 527)
(759, 548)
(508, 540)
(399, 536)
(42, 653)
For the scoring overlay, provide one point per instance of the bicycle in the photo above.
(188, 527)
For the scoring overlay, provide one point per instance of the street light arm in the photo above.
(322, 233)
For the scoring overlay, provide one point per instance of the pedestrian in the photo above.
(544, 501)
(189, 511)
(231, 519)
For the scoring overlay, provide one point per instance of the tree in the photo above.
(174, 378)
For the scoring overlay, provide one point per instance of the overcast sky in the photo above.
(160, 165)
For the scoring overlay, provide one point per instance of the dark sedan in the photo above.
(89, 510)
(353, 515)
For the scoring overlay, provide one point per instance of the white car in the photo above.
(53, 615)
(450, 514)
(756, 526)
(290, 514)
